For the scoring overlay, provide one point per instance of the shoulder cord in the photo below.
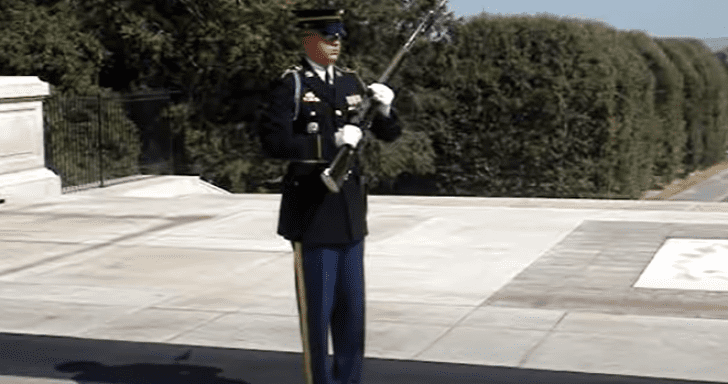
(297, 94)
(297, 90)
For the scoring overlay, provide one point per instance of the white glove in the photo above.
(348, 134)
(382, 95)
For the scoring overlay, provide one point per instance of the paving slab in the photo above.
(33, 380)
(523, 283)
(246, 331)
(228, 300)
(512, 318)
(18, 254)
(151, 324)
(483, 346)
(125, 296)
(416, 313)
(400, 340)
(38, 317)
(636, 345)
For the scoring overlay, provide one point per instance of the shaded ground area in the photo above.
(102, 361)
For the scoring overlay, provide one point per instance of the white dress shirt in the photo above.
(321, 71)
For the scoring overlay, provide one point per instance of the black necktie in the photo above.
(329, 83)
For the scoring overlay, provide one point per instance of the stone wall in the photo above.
(22, 166)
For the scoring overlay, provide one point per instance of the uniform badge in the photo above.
(353, 100)
(312, 127)
(309, 97)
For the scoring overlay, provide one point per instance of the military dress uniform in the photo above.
(326, 229)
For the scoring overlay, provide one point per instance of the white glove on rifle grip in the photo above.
(348, 134)
(382, 95)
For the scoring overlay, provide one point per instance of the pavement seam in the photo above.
(528, 354)
(172, 224)
(95, 215)
(198, 326)
(447, 331)
(58, 242)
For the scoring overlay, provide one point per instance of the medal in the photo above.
(309, 97)
(353, 100)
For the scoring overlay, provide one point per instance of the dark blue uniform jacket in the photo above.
(309, 212)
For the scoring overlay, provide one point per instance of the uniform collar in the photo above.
(320, 69)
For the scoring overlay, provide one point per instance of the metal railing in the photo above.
(94, 141)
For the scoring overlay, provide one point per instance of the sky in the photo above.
(703, 19)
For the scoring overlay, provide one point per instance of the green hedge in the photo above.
(539, 106)
(705, 101)
(668, 95)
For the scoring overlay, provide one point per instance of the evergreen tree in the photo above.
(48, 41)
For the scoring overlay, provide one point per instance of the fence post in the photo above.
(101, 148)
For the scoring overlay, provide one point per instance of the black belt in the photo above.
(300, 168)
(306, 167)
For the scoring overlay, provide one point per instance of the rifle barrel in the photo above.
(334, 176)
(425, 24)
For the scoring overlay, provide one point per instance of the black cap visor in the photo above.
(332, 31)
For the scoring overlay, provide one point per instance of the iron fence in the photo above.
(94, 141)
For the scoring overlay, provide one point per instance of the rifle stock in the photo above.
(337, 172)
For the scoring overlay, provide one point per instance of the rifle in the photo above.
(335, 175)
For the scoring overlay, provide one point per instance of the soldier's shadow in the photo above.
(142, 373)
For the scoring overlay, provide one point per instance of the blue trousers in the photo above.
(330, 293)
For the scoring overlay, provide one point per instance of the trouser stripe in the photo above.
(302, 311)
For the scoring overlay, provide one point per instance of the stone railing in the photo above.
(22, 167)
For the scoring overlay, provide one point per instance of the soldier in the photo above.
(305, 123)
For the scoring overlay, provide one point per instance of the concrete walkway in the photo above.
(715, 188)
(530, 283)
